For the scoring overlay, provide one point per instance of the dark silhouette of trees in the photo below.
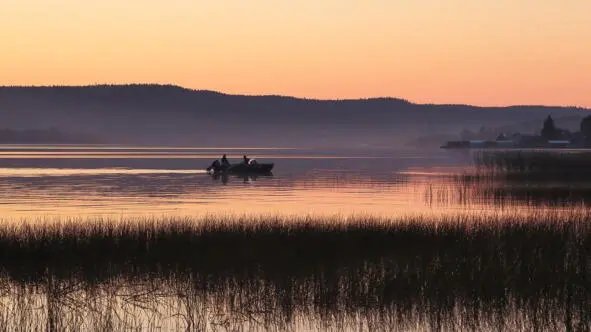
(549, 130)
(586, 129)
(157, 114)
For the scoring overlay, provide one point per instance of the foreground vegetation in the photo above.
(503, 271)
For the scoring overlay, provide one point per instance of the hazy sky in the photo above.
(488, 52)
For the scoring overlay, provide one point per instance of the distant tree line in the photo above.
(586, 129)
(549, 131)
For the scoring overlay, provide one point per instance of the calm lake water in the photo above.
(120, 180)
(515, 278)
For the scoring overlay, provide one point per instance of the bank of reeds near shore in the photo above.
(538, 263)
(505, 252)
(536, 164)
(534, 177)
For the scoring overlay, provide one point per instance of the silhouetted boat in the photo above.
(241, 168)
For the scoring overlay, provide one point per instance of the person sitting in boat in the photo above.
(225, 161)
(215, 166)
(249, 161)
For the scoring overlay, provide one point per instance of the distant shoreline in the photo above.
(516, 148)
(513, 145)
(172, 115)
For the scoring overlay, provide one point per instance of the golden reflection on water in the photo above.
(112, 192)
(321, 184)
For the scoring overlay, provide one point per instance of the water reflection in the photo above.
(245, 178)
(381, 182)
(498, 276)
(177, 304)
(502, 190)
(306, 182)
(298, 186)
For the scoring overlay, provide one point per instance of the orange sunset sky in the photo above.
(485, 52)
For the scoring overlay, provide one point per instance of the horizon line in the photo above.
(284, 96)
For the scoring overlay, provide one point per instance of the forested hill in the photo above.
(165, 114)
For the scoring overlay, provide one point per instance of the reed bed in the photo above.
(442, 270)
(538, 178)
(536, 164)
(537, 241)
(491, 190)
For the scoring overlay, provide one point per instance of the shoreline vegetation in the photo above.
(520, 180)
(535, 165)
(549, 137)
(514, 270)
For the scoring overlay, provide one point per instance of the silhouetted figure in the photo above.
(225, 161)
(246, 159)
(215, 166)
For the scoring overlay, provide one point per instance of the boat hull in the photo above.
(243, 169)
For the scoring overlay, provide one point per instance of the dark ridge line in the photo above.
(218, 93)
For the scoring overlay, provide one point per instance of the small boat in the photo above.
(255, 168)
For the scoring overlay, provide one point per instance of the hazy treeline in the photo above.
(163, 114)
